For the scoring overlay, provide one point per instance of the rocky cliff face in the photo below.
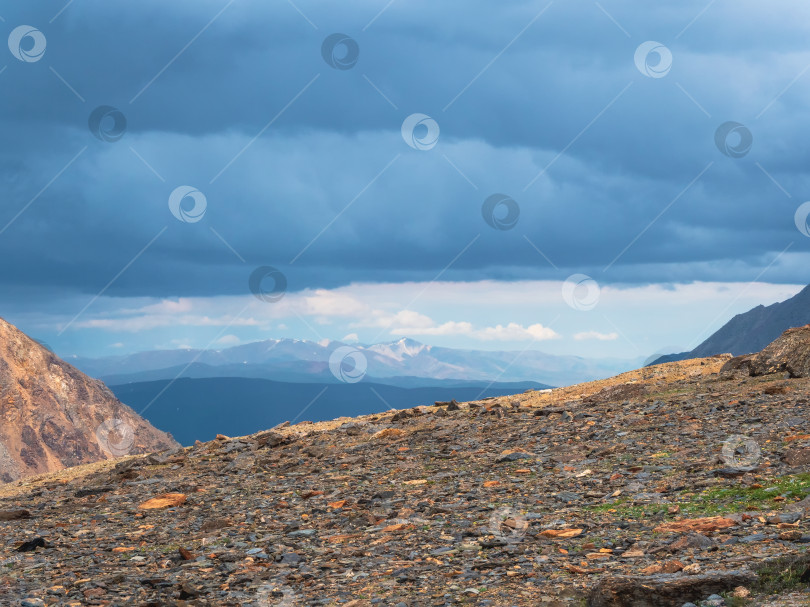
(53, 416)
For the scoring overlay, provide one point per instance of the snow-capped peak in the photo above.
(399, 350)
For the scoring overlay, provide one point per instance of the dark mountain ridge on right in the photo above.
(751, 331)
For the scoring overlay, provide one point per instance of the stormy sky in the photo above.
(600, 178)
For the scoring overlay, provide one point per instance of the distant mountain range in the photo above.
(752, 330)
(195, 394)
(405, 363)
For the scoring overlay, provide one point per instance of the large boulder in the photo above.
(790, 354)
(737, 367)
(665, 590)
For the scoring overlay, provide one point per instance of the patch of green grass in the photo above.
(717, 501)
(735, 601)
(783, 574)
(792, 487)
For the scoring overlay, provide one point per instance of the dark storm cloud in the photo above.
(598, 157)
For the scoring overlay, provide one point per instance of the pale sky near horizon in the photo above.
(629, 322)
(604, 179)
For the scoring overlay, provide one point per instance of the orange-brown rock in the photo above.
(698, 525)
(561, 533)
(666, 567)
(167, 500)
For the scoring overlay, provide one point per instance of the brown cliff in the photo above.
(53, 416)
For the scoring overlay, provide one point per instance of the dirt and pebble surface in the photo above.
(682, 482)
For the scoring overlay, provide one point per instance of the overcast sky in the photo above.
(445, 171)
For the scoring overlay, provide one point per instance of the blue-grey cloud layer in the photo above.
(305, 172)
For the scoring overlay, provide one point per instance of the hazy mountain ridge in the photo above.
(289, 373)
(402, 358)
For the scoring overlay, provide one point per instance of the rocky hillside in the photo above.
(753, 330)
(53, 416)
(682, 482)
